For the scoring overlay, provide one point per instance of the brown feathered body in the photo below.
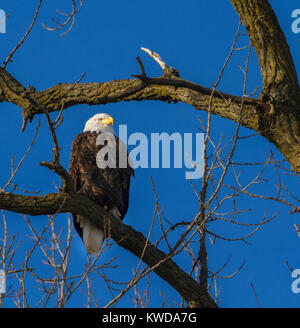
(108, 187)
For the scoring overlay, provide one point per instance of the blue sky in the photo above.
(195, 38)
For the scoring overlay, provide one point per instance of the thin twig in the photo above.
(9, 57)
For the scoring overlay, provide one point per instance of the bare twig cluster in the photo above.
(69, 19)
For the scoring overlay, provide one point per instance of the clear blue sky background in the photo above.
(195, 37)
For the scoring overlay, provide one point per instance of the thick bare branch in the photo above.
(169, 90)
(124, 235)
(280, 126)
(275, 60)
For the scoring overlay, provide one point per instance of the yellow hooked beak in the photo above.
(107, 120)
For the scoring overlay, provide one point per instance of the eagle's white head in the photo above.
(99, 123)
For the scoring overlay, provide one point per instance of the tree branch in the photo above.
(124, 235)
(274, 56)
(280, 126)
(161, 88)
(9, 57)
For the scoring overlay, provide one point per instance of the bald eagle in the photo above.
(107, 186)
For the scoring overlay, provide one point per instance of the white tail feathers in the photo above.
(91, 235)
